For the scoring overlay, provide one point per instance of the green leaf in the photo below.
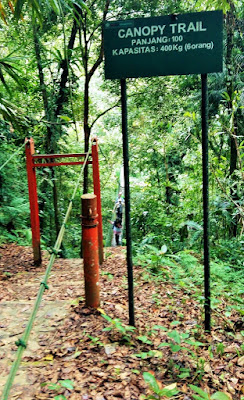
(107, 329)
(82, 5)
(144, 339)
(168, 392)
(60, 397)
(175, 347)
(142, 355)
(199, 391)
(65, 118)
(77, 354)
(194, 343)
(175, 336)
(184, 336)
(18, 8)
(163, 345)
(174, 323)
(197, 397)
(220, 396)
(159, 327)
(55, 6)
(184, 375)
(151, 381)
(67, 383)
(54, 386)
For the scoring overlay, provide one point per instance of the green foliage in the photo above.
(186, 270)
(38, 7)
(59, 387)
(159, 393)
(170, 392)
(144, 339)
(213, 5)
(14, 211)
(96, 341)
(205, 396)
(178, 342)
(164, 127)
(220, 348)
(116, 326)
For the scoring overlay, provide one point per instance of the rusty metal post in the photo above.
(97, 192)
(34, 210)
(90, 249)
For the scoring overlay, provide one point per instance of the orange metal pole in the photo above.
(97, 192)
(90, 249)
(34, 210)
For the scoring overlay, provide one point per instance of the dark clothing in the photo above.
(117, 227)
(117, 239)
(119, 211)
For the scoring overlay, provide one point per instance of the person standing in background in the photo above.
(117, 229)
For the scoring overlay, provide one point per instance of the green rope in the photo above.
(22, 343)
(10, 158)
(54, 251)
(45, 285)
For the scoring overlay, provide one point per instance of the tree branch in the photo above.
(100, 57)
(104, 112)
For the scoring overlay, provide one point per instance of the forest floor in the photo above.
(69, 344)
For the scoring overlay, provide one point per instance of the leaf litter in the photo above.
(96, 350)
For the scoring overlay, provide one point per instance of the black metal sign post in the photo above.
(190, 43)
(207, 305)
(127, 201)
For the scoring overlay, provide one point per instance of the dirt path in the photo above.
(69, 342)
(18, 293)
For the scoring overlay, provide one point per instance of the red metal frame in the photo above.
(48, 164)
(34, 210)
(32, 187)
(36, 156)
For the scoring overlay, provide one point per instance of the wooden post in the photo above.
(90, 249)
(97, 192)
(34, 210)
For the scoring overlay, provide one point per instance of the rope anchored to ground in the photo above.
(22, 343)
(10, 158)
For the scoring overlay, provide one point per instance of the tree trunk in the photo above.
(88, 75)
(230, 24)
(42, 85)
(87, 131)
(48, 142)
(62, 95)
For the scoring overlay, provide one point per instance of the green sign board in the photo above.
(168, 45)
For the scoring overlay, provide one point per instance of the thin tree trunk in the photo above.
(62, 95)
(88, 75)
(230, 23)
(87, 132)
(48, 144)
(42, 84)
